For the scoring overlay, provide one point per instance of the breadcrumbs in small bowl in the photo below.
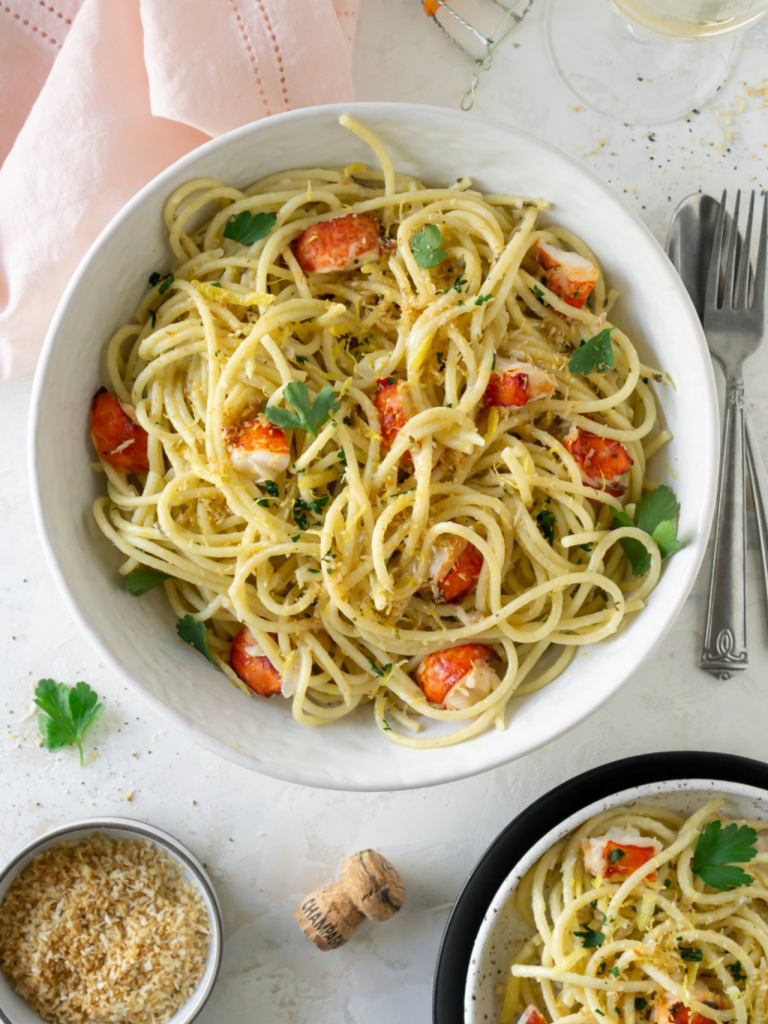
(107, 921)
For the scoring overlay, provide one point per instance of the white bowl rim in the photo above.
(709, 427)
(175, 848)
(570, 824)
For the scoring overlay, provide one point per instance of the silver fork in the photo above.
(734, 329)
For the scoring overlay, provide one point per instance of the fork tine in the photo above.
(745, 262)
(761, 271)
(715, 258)
(730, 267)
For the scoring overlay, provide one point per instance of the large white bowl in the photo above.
(136, 636)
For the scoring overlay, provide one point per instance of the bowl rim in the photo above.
(542, 816)
(175, 849)
(304, 775)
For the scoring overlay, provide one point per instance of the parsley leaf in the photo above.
(640, 1004)
(482, 298)
(546, 522)
(271, 488)
(309, 415)
(301, 508)
(691, 954)
(737, 972)
(69, 711)
(655, 514)
(590, 938)
(538, 292)
(425, 246)
(165, 285)
(380, 672)
(143, 579)
(192, 632)
(248, 228)
(616, 855)
(459, 283)
(595, 355)
(154, 277)
(718, 849)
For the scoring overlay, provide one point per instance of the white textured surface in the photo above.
(265, 843)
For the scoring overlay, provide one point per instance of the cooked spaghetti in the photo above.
(644, 915)
(350, 430)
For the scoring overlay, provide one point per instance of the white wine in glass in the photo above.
(646, 61)
(693, 18)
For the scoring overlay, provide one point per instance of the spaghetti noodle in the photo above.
(442, 486)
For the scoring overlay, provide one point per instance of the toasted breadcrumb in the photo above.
(104, 930)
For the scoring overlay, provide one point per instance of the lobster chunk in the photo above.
(252, 666)
(670, 1010)
(391, 405)
(531, 1015)
(454, 569)
(342, 243)
(601, 460)
(619, 853)
(513, 383)
(258, 449)
(117, 436)
(459, 677)
(568, 274)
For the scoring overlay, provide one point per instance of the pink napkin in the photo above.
(98, 96)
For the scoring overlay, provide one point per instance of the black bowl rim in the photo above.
(544, 814)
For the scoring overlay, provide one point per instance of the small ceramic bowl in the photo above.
(503, 927)
(14, 1010)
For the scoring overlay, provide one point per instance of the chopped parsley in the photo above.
(380, 672)
(165, 285)
(590, 937)
(482, 298)
(546, 522)
(737, 972)
(154, 277)
(538, 292)
(301, 509)
(459, 283)
(616, 855)
(640, 1004)
(691, 954)
(271, 488)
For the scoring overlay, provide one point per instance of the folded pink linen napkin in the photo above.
(98, 96)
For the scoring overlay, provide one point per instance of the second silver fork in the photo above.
(734, 326)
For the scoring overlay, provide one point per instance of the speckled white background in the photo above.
(266, 844)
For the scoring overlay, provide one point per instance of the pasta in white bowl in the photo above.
(404, 488)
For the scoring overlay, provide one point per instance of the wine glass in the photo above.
(646, 61)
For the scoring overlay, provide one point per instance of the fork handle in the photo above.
(758, 484)
(724, 650)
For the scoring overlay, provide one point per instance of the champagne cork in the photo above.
(369, 887)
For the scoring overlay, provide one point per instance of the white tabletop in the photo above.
(267, 844)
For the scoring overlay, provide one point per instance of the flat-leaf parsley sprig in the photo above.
(192, 632)
(68, 713)
(309, 415)
(425, 246)
(656, 514)
(719, 852)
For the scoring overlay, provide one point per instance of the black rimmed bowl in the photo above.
(473, 957)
